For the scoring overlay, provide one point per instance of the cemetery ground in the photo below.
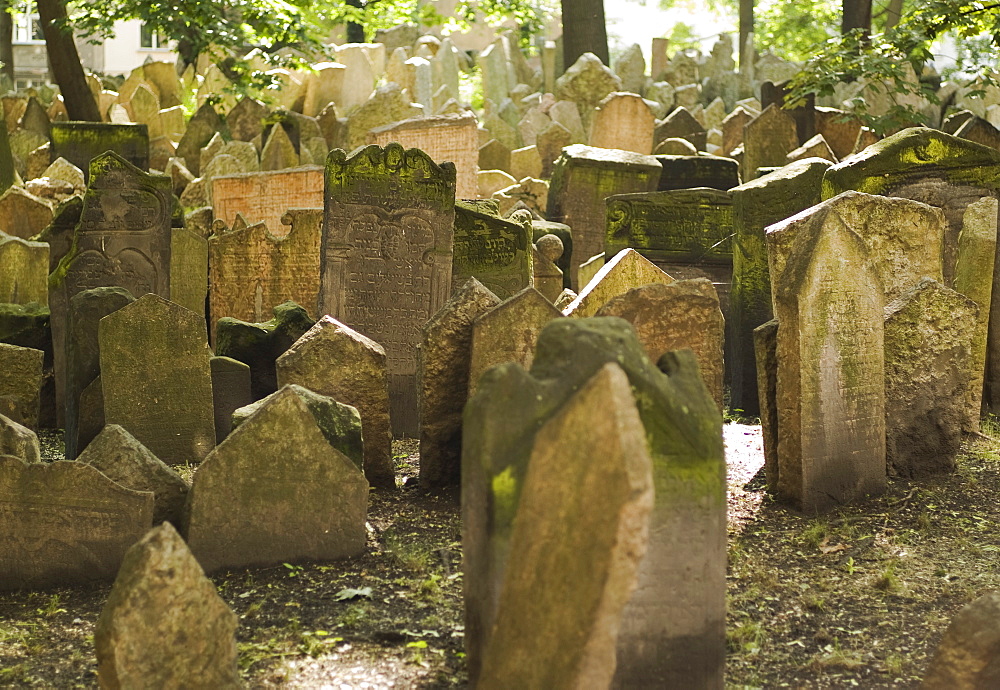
(858, 597)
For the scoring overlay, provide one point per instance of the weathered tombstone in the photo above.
(840, 129)
(194, 646)
(65, 523)
(156, 378)
(626, 270)
(122, 459)
(246, 120)
(685, 172)
(582, 179)
(230, 391)
(563, 232)
(508, 332)
(672, 629)
(767, 140)
(81, 142)
(928, 335)
(578, 512)
(490, 249)
(681, 124)
(547, 277)
(202, 126)
(386, 255)
(684, 314)
(188, 269)
(966, 658)
(757, 204)
(830, 388)
(18, 441)
(765, 341)
(266, 196)
(815, 147)
(23, 271)
(276, 491)
(335, 360)
(623, 121)
(444, 361)
(22, 214)
(21, 377)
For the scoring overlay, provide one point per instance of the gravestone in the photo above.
(22, 214)
(685, 172)
(18, 441)
(623, 121)
(966, 657)
(24, 274)
(626, 270)
(81, 142)
(230, 391)
(122, 459)
(681, 124)
(815, 147)
(251, 271)
(156, 378)
(264, 197)
(767, 140)
(682, 577)
(202, 126)
(686, 232)
(830, 386)
(444, 361)
(188, 269)
(928, 335)
(582, 179)
(582, 515)
(684, 314)
(335, 360)
(840, 129)
(508, 332)
(757, 204)
(732, 130)
(21, 377)
(765, 341)
(490, 249)
(65, 523)
(539, 228)
(386, 255)
(547, 277)
(195, 646)
(276, 491)
(245, 120)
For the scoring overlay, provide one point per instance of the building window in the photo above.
(150, 38)
(27, 25)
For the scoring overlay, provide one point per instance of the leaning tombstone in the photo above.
(19, 441)
(493, 250)
(626, 270)
(86, 524)
(188, 269)
(335, 360)
(81, 142)
(24, 215)
(276, 491)
(681, 124)
(386, 255)
(156, 378)
(444, 361)
(138, 646)
(21, 378)
(578, 512)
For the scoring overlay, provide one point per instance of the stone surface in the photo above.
(122, 459)
(386, 255)
(195, 646)
(626, 270)
(275, 491)
(685, 172)
(230, 391)
(444, 360)
(81, 142)
(18, 441)
(583, 516)
(202, 126)
(767, 141)
(21, 377)
(681, 124)
(966, 658)
(587, 82)
(334, 360)
(547, 277)
(265, 197)
(156, 378)
(765, 346)
(188, 269)
(623, 121)
(23, 214)
(65, 523)
(493, 250)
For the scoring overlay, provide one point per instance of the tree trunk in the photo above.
(584, 30)
(7, 42)
(746, 29)
(355, 31)
(893, 13)
(64, 61)
(857, 14)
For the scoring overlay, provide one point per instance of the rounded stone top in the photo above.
(550, 246)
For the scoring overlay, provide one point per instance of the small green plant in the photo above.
(814, 534)
(293, 570)
(894, 665)
(849, 565)
(317, 643)
(419, 648)
(430, 588)
(887, 580)
(747, 637)
(353, 615)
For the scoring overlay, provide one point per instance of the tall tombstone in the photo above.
(626, 270)
(65, 523)
(264, 197)
(276, 491)
(188, 269)
(156, 378)
(582, 179)
(767, 140)
(828, 300)
(21, 377)
(757, 204)
(24, 270)
(81, 142)
(251, 271)
(386, 255)
(230, 391)
(765, 342)
(687, 233)
(580, 514)
(685, 172)
(672, 629)
(493, 250)
(444, 360)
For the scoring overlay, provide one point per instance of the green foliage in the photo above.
(683, 36)
(793, 30)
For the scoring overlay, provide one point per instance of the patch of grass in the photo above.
(894, 665)
(833, 657)
(747, 637)
(406, 554)
(814, 534)
(887, 581)
(353, 614)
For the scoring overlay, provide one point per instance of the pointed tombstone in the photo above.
(195, 646)
(386, 255)
(508, 333)
(966, 658)
(156, 378)
(684, 314)
(21, 377)
(278, 152)
(623, 121)
(335, 360)
(815, 147)
(491, 249)
(144, 106)
(579, 512)
(276, 491)
(757, 204)
(626, 270)
(245, 120)
(980, 131)
(831, 395)
(230, 391)
(444, 361)
(681, 124)
(122, 459)
(682, 578)
(24, 273)
(18, 441)
(928, 335)
(767, 141)
(200, 129)
(81, 535)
